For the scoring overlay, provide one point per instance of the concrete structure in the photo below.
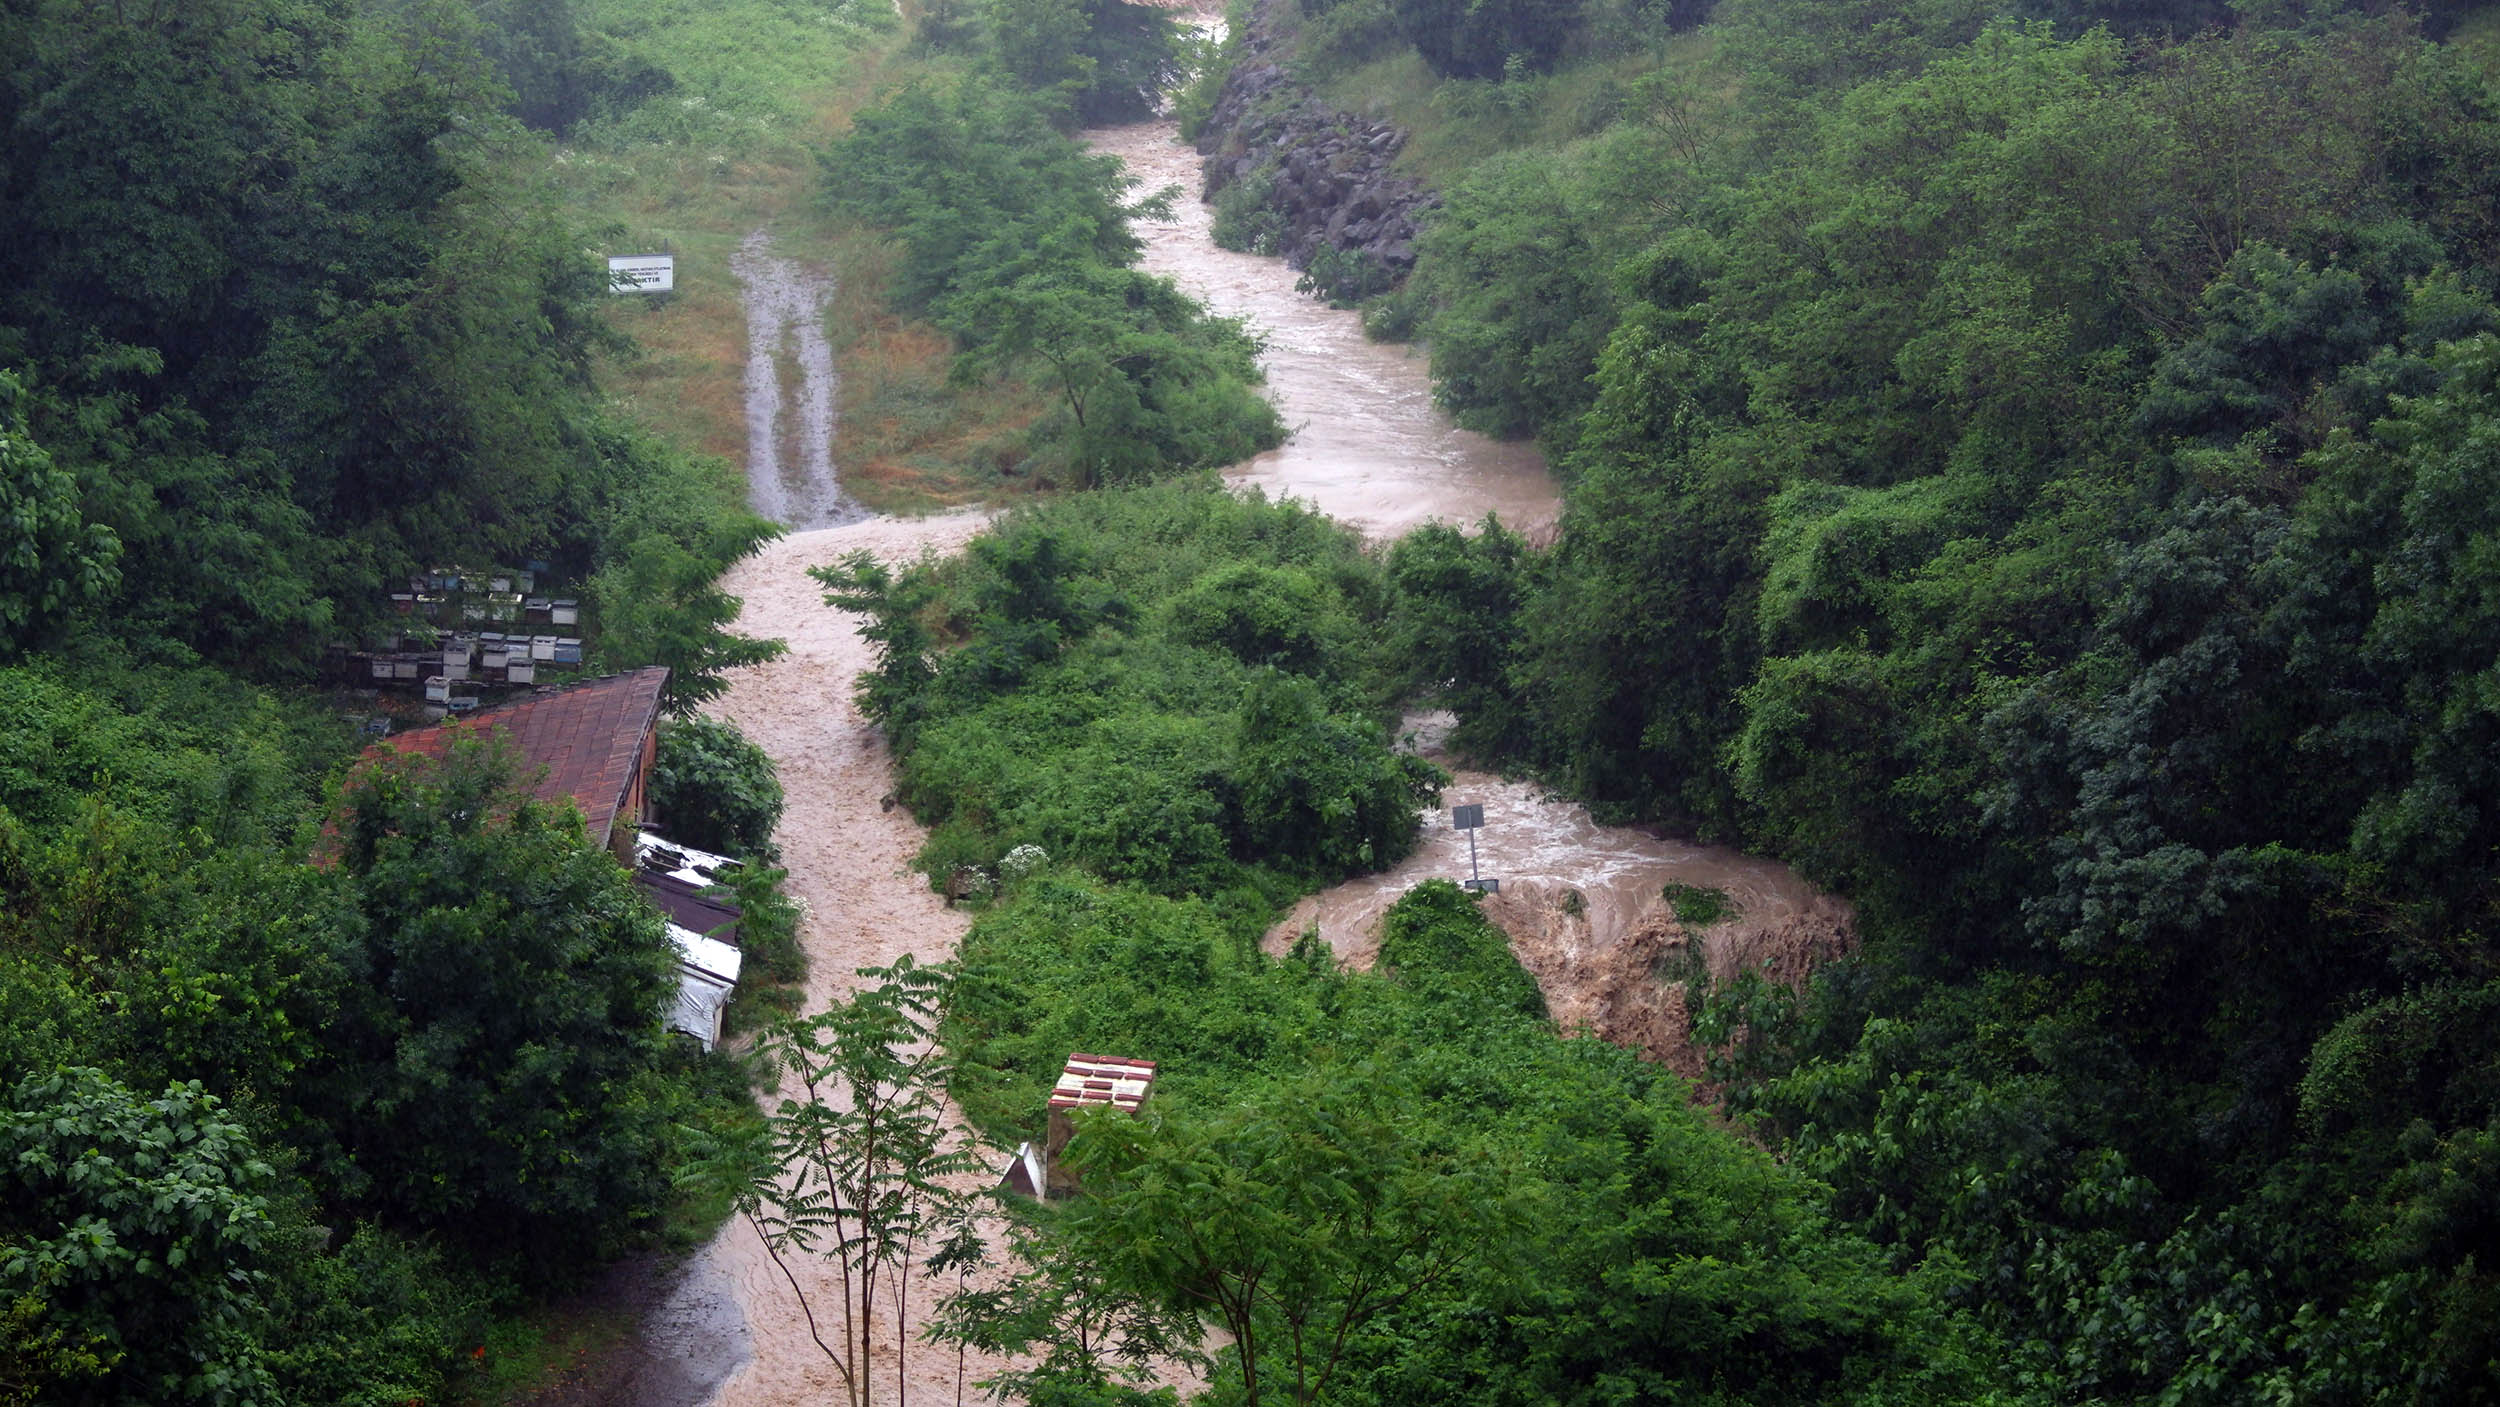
(1089, 1082)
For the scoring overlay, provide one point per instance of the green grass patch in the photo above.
(1699, 907)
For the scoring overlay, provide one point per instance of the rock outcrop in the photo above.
(1328, 176)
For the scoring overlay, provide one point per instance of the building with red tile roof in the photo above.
(593, 742)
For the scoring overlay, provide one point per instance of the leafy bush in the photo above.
(1246, 217)
(1696, 906)
(1115, 695)
(1016, 242)
(714, 789)
(142, 1229)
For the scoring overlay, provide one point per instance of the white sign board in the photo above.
(642, 273)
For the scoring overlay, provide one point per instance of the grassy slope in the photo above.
(761, 90)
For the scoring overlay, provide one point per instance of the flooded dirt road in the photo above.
(849, 859)
(790, 469)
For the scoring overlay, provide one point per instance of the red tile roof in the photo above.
(587, 736)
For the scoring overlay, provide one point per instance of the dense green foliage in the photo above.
(290, 318)
(1096, 61)
(444, 1048)
(1166, 685)
(2036, 478)
(1407, 1187)
(506, 1041)
(1140, 719)
(1015, 241)
(292, 314)
(715, 789)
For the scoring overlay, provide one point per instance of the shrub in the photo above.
(715, 789)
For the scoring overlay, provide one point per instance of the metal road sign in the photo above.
(1466, 818)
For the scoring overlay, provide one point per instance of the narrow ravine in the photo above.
(1580, 901)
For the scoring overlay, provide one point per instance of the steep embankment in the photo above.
(1324, 177)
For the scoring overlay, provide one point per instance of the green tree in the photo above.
(51, 559)
(661, 603)
(1292, 1219)
(858, 1164)
(1488, 38)
(1321, 790)
(894, 604)
(503, 1048)
(140, 1226)
(714, 789)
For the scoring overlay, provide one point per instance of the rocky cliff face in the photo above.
(1323, 175)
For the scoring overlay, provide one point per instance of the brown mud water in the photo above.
(1368, 448)
(1367, 445)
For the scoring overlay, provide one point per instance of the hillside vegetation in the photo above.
(2029, 466)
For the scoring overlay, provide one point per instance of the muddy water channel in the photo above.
(1368, 446)
(1582, 902)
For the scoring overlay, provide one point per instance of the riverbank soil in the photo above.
(1586, 907)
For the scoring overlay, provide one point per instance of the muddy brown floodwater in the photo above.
(849, 859)
(1367, 445)
(1369, 449)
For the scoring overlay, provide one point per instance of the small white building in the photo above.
(707, 974)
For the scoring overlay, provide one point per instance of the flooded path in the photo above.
(790, 471)
(849, 858)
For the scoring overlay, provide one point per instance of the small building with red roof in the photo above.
(594, 743)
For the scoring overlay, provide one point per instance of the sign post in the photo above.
(642, 273)
(1471, 819)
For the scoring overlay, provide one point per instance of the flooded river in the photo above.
(1582, 902)
(1367, 444)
